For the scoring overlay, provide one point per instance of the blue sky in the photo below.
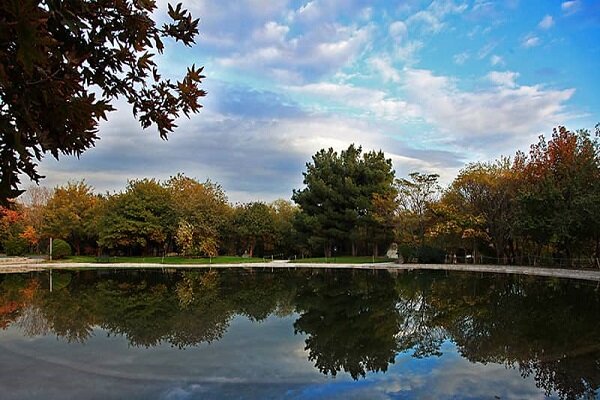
(434, 84)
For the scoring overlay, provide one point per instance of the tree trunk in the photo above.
(327, 250)
(353, 248)
(598, 251)
(251, 248)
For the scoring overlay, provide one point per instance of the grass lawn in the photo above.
(343, 260)
(159, 260)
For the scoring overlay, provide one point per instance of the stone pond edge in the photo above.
(591, 275)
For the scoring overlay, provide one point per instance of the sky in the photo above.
(434, 84)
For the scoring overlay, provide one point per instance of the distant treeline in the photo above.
(536, 208)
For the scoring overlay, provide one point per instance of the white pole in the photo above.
(50, 249)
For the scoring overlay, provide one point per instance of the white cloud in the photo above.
(407, 53)
(320, 12)
(308, 11)
(461, 58)
(503, 112)
(570, 7)
(366, 13)
(432, 18)
(496, 60)
(398, 30)
(486, 50)
(429, 21)
(322, 50)
(219, 26)
(271, 32)
(530, 41)
(506, 78)
(547, 22)
(367, 101)
(384, 67)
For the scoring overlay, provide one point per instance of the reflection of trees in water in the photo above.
(350, 322)
(547, 329)
(355, 321)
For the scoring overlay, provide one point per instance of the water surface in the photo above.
(297, 334)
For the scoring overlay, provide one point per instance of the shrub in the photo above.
(16, 246)
(60, 249)
(408, 252)
(431, 255)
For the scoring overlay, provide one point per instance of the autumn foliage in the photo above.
(63, 64)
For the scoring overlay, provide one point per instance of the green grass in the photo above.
(159, 260)
(343, 260)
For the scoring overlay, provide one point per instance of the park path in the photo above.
(591, 275)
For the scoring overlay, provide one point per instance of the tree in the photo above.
(34, 202)
(254, 226)
(283, 213)
(485, 195)
(338, 201)
(202, 211)
(559, 200)
(12, 228)
(378, 199)
(72, 214)
(62, 64)
(141, 219)
(415, 197)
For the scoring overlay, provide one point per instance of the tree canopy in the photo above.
(338, 200)
(62, 64)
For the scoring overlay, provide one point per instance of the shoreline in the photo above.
(590, 275)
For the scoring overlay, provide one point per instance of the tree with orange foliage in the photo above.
(31, 235)
(11, 227)
(560, 196)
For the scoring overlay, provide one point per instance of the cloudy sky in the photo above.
(434, 84)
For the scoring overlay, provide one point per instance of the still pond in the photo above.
(297, 334)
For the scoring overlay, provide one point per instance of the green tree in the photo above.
(140, 219)
(338, 201)
(72, 214)
(62, 64)
(283, 213)
(254, 226)
(377, 200)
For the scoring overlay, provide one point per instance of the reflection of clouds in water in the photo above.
(276, 367)
(447, 377)
(267, 359)
(183, 393)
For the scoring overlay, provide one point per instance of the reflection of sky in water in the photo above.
(252, 360)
